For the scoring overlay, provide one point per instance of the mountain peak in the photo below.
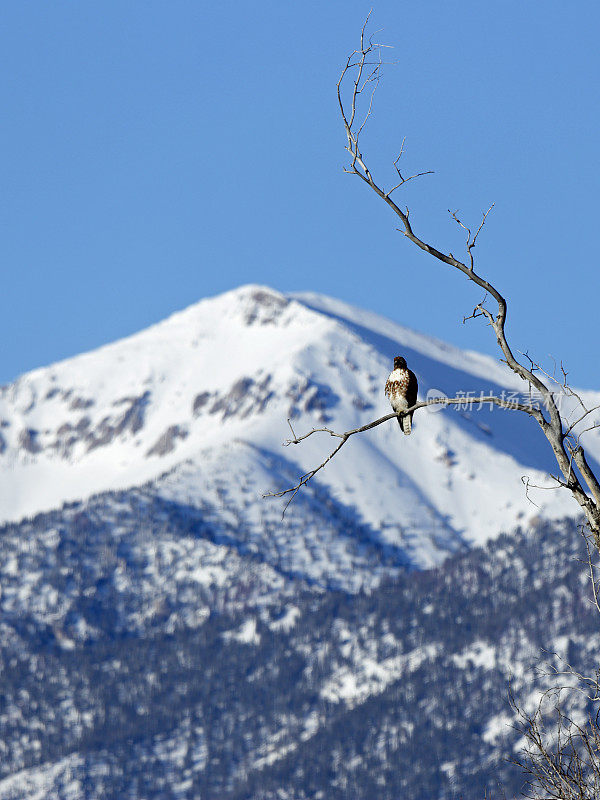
(260, 305)
(217, 383)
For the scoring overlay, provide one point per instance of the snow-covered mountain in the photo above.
(197, 407)
(165, 634)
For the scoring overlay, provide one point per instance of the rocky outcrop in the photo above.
(167, 441)
(131, 420)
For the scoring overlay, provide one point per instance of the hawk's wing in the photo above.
(388, 387)
(412, 389)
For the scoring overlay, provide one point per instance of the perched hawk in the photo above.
(401, 387)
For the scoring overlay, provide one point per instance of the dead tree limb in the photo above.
(447, 401)
(581, 482)
(360, 78)
(560, 756)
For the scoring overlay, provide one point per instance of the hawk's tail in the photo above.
(405, 423)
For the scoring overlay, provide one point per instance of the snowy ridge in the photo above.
(197, 407)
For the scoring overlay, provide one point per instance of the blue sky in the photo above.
(155, 153)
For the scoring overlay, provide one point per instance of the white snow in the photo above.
(498, 727)
(366, 676)
(245, 634)
(478, 654)
(287, 621)
(37, 783)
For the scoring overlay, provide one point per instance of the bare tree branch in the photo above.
(362, 73)
(586, 413)
(404, 180)
(561, 756)
(447, 401)
(553, 426)
(471, 242)
(563, 763)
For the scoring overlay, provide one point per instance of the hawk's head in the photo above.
(400, 362)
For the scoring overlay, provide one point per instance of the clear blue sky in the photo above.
(153, 153)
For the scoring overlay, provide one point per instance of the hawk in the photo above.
(401, 387)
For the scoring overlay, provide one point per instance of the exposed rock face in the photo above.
(4, 423)
(246, 396)
(166, 443)
(29, 440)
(69, 434)
(265, 308)
(309, 396)
(200, 402)
(80, 403)
(132, 420)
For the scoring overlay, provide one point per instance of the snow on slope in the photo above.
(199, 404)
